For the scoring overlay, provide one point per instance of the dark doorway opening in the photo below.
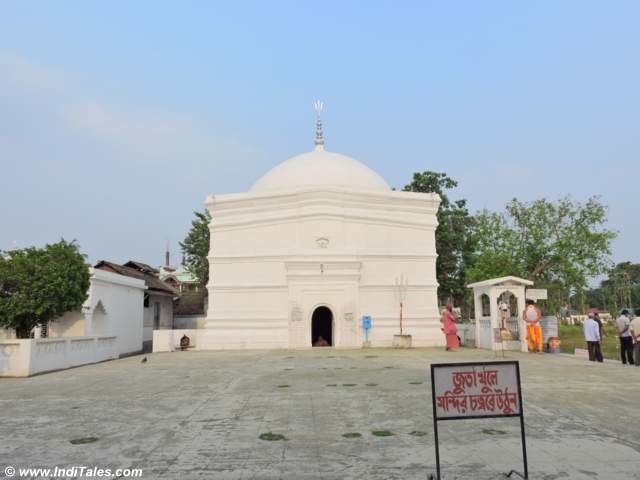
(322, 327)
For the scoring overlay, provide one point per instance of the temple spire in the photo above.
(319, 105)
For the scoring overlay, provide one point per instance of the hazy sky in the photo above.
(118, 118)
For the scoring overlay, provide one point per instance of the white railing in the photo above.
(25, 357)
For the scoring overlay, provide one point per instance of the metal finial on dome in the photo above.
(319, 106)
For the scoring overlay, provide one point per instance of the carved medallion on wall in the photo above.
(296, 313)
(323, 242)
(348, 311)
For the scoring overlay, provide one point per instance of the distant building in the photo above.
(180, 278)
(158, 298)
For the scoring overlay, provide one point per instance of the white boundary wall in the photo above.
(25, 357)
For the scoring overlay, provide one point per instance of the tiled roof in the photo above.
(153, 283)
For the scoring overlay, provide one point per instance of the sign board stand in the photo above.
(463, 391)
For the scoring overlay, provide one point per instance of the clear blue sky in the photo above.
(118, 118)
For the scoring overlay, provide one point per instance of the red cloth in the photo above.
(449, 326)
(450, 329)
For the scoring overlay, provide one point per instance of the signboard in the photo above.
(536, 294)
(462, 391)
(366, 325)
(476, 390)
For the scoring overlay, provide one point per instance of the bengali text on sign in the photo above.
(479, 390)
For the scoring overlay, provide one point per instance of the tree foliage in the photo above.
(455, 242)
(558, 245)
(621, 289)
(38, 285)
(196, 247)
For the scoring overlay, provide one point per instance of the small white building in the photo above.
(499, 303)
(109, 325)
(158, 297)
(113, 308)
(316, 243)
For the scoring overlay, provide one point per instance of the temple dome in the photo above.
(320, 168)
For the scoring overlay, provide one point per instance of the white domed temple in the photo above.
(317, 243)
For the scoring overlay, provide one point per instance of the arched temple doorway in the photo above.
(322, 326)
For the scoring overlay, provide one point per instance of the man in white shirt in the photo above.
(592, 336)
(626, 342)
(635, 334)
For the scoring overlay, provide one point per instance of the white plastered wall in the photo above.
(275, 257)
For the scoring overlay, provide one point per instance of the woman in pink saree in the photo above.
(449, 328)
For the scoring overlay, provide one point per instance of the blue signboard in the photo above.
(366, 325)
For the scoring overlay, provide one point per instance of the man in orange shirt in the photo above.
(532, 316)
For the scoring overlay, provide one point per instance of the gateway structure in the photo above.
(318, 242)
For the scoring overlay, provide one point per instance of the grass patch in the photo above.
(272, 437)
(370, 356)
(491, 431)
(284, 386)
(83, 440)
(338, 368)
(349, 384)
(288, 368)
(332, 384)
(371, 384)
(572, 337)
(382, 433)
(388, 367)
(415, 383)
(352, 435)
(417, 433)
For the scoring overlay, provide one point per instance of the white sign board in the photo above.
(536, 293)
(486, 389)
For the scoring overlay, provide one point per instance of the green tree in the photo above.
(455, 242)
(38, 285)
(196, 247)
(620, 289)
(559, 245)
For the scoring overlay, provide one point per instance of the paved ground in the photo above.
(199, 415)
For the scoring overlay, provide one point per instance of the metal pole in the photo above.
(524, 444)
(435, 424)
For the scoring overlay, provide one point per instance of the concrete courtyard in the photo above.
(190, 415)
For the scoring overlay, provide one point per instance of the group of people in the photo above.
(628, 332)
(531, 315)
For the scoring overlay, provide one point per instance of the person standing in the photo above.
(635, 335)
(624, 333)
(449, 328)
(592, 336)
(532, 315)
(596, 317)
